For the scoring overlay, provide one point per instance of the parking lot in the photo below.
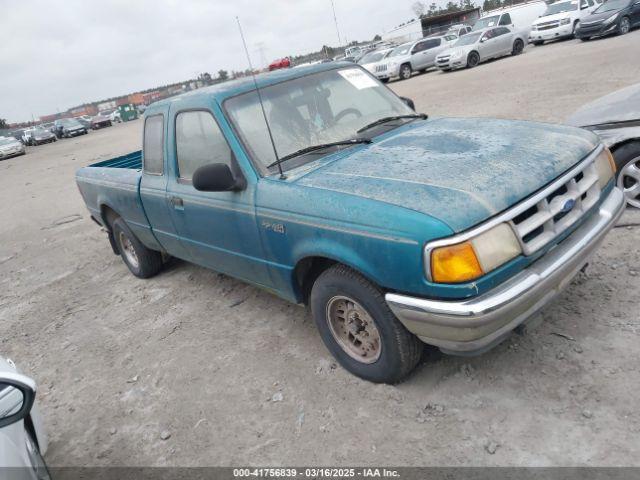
(194, 368)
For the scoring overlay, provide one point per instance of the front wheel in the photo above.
(518, 47)
(473, 59)
(359, 329)
(142, 261)
(405, 71)
(627, 160)
(625, 26)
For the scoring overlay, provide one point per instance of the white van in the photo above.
(519, 17)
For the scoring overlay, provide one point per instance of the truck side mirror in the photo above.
(216, 177)
(409, 103)
(17, 394)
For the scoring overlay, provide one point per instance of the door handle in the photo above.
(177, 202)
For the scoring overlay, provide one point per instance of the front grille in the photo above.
(381, 68)
(548, 25)
(557, 208)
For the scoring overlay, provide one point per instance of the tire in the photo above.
(518, 47)
(585, 39)
(142, 261)
(345, 304)
(575, 27)
(473, 59)
(625, 26)
(538, 43)
(405, 71)
(627, 159)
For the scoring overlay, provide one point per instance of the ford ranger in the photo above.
(324, 187)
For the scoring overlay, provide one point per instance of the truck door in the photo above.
(218, 228)
(153, 185)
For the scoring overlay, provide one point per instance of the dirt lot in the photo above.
(200, 355)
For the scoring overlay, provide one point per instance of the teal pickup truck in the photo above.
(321, 185)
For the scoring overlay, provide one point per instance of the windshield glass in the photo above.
(6, 141)
(611, 6)
(401, 50)
(315, 109)
(372, 57)
(486, 22)
(561, 7)
(468, 39)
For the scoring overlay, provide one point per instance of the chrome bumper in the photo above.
(476, 324)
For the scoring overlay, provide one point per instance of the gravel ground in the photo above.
(195, 368)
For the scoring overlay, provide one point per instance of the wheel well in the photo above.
(109, 215)
(624, 143)
(307, 271)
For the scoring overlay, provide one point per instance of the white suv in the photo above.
(560, 20)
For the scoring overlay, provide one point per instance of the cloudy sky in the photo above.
(56, 55)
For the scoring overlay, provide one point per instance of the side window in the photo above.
(501, 31)
(432, 43)
(153, 139)
(505, 19)
(199, 142)
(418, 47)
(489, 34)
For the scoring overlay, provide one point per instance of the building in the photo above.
(417, 28)
(441, 23)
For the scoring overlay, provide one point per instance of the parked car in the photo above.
(393, 227)
(22, 438)
(26, 136)
(519, 18)
(615, 118)
(100, 121)
(280, 63)
(18, 134)
(39, 135)
(613, 16)
(69, 127)
(560, 20)
(86, 123)
(480, 46)
(127, 112)
(414, 56)
(458, 30)
(373, 62)
(10, 147)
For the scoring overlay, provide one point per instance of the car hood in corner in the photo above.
(460, 171)
(619, 106)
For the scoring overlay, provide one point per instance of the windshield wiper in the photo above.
(382, 120)
(322, 146)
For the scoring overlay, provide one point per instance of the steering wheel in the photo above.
(347, 111)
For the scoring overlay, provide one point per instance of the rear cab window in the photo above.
(505, 19)
(153, 153)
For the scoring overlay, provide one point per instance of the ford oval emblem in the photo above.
(568, 206)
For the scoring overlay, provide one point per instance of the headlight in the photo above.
(565, 21)
(611, 18)
(475, 257)
(605, 166)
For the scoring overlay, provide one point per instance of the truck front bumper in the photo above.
(474, 325)
(551, 34)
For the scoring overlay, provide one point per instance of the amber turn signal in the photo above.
(455, 264)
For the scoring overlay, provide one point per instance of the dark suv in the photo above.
(613, 16)
(68, 127)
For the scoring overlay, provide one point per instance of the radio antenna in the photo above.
(264, 113)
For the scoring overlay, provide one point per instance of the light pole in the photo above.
(335, 19)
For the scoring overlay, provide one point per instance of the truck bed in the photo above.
(131, 161)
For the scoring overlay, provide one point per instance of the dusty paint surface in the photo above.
(460, 171)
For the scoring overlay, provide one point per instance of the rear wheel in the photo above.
(518, 47)
(627, 160)
(142, 261)
(405, 71)
(359, 329)
(473, 59)
(625, 26)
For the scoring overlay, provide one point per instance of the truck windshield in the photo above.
(486, 22)
(561, 7)
(320, 108)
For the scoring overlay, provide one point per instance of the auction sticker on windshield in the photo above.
(358, 78)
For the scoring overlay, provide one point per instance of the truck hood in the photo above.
(554, 17)
(460, 171)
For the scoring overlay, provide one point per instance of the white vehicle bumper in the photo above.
(551, 33)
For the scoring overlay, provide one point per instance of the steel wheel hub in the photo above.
(128, 250)
(629, 182)
(353, 329)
